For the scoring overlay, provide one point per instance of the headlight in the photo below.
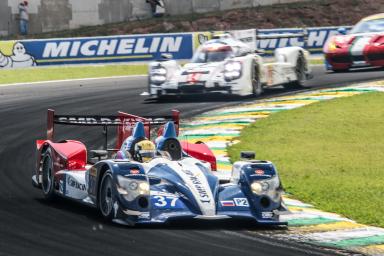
(158, 75)
(232, 70)
(159, 71)
(332, 46)
(266, 187)
(256, 188)
(131, 188)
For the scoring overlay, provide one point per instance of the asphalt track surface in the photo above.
(30, 226)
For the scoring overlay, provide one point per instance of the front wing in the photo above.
(166, 207)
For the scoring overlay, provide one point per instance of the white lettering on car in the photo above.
(204, 197)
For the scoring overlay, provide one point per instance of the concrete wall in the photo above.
(54, 15)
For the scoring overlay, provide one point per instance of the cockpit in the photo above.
(214, 52)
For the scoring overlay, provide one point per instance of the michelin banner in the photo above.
(313, 42)
(29, 53)
(316, 38)
(112, 49)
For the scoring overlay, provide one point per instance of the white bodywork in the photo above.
(167, 77)
(194, 178)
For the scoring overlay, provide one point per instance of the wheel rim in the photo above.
(106, 196)
(256, 85)
(47, 175)
(300, 70)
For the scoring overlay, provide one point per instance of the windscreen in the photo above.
(368, 26)
(212, 53)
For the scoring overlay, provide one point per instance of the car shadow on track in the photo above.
(75, 208)
(201, 98)
(356, 70)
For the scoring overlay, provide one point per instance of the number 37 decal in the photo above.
(165, 201)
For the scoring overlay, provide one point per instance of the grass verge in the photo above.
(329, 154)
(8, 76)
(68, 72)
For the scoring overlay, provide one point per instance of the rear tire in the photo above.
(257, 86)
(47, 184)
(300, 69)
(106, 197)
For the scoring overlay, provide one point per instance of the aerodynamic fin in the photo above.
(169, 130)
(138, 130)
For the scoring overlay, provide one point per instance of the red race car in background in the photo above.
(362, 46)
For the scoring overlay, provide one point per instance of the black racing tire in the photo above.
(106, 198)
(257, 86)
(300, 70)
(47, 184)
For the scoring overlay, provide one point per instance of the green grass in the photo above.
(330, 154)
(68, 72)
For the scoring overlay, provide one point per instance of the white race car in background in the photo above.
(227, 65)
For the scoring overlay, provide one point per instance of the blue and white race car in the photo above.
(154, 182)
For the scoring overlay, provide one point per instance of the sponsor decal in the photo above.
(242, 202)
(201, 37)
(227, 203)
(266, 215)
(14, 55)
(89, 120)
(204, 196)
(75, 184)
(134, 171)
(110, 49)
(259, 172)
(27, 53)
(193, 78)
(317, 37)
(144, 215)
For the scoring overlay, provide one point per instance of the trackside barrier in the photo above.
(147, 47)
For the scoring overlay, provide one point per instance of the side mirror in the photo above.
(154, 180)
(247, 155)
(342, 31)
(166, 56)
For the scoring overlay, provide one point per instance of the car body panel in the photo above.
(164, 188)
(360, 49)
(167, 77)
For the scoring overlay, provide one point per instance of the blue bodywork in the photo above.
(170, 197)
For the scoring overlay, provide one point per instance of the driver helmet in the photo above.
(144, 151)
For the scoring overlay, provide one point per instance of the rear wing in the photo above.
(251, 36)
(123, 121)
(303, 34)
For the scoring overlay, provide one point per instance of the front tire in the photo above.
(106, 198)
(48, 176)
(257, 86)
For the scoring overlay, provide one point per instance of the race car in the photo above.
(153, 182)
(363, 46)
(229, 66)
